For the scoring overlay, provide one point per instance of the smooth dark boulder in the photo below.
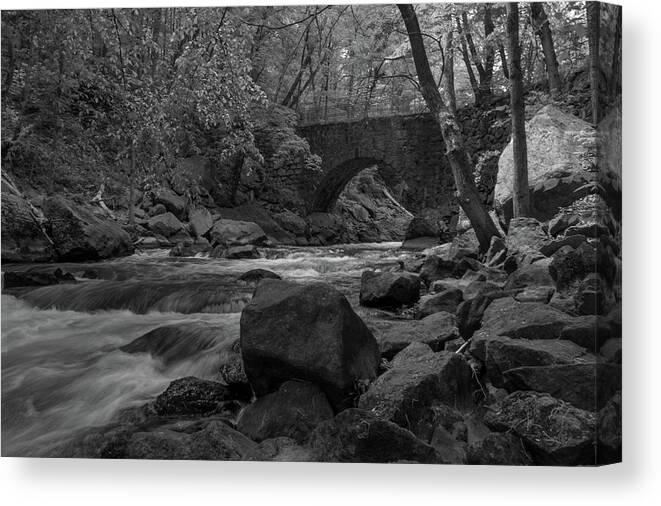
(406, 393)
(239, 252)
(389, 289)
(357, 435)
(23, 238)
(191, 396)
(586, 386)
(554, 432)
(18, 279)
(293, 411)
(307, 332)
(141, 296)
(174, 343)
(256, 275)
(79, 235)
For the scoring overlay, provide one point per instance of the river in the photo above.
(62, 369)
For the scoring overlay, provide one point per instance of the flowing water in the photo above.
(62, 369)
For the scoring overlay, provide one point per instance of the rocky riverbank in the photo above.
(513, 357)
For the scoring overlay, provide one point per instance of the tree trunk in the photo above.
(543, 29)
(594, 16)
(617, 46)
(503, 61)
(132, 187)
(448, 73)
(489, 51)
(467, 62)
(462, 170)
(521, 199)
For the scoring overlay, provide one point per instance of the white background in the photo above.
(637, 481)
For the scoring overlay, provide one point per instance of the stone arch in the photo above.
(334, 181)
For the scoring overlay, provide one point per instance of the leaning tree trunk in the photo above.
(448, 73)
(521, 198)
(593, 14)
(542, 27)
(462, 169)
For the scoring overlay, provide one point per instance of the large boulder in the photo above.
(78, 234)
(389, 289)
(293, 411)
(357, 435)
(553, 432)
(229, 233)
(255, 213)
(165, 224)
(23, 239)
(418, 380)
(308, 332)
(172, 202)
(562, 160)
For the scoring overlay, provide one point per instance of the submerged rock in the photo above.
(174, 343)
(307, 332)
(140, 296)
(191, 396)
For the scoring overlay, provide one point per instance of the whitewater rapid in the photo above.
(63, 371)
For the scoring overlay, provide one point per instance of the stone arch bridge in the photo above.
(408, 150)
